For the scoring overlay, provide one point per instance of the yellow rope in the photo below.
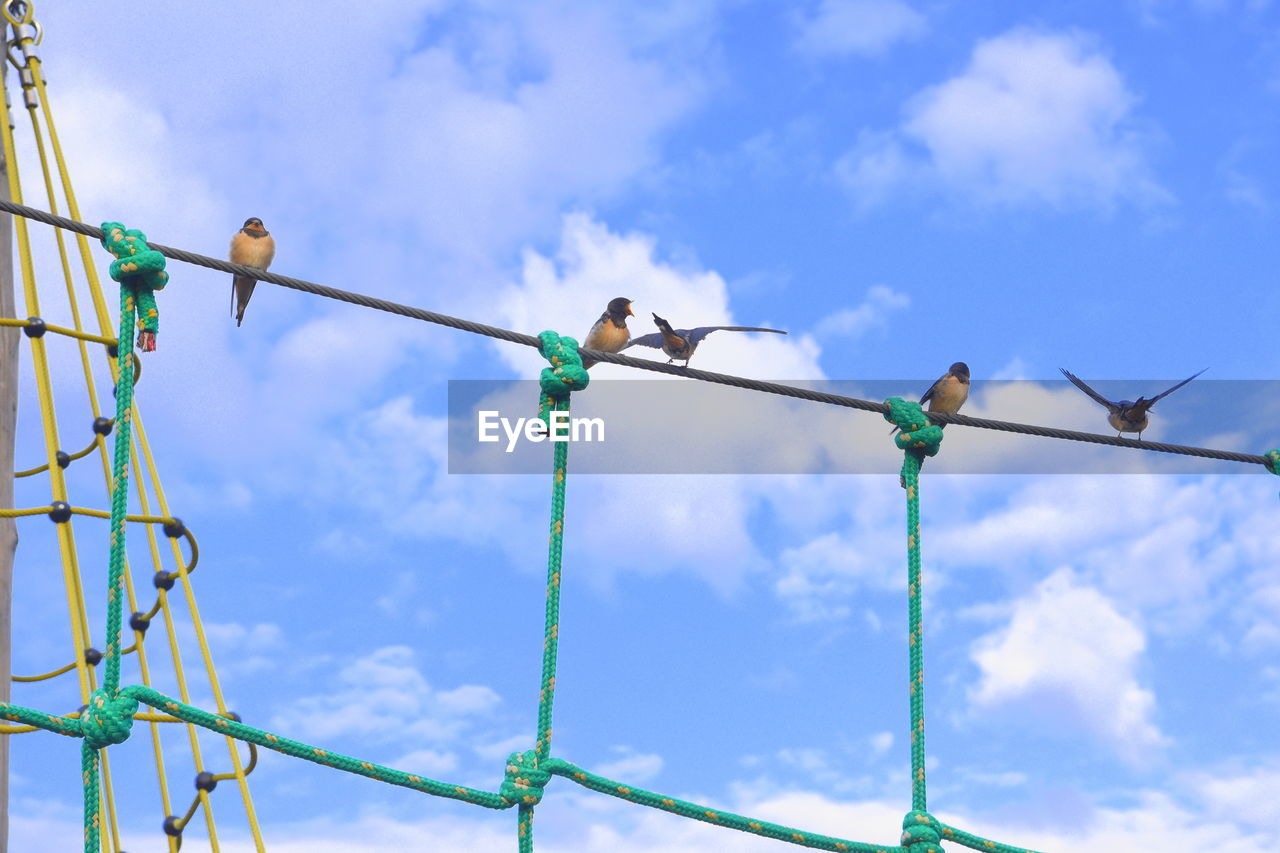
(72, 457)
(72, 577)
(58, 330)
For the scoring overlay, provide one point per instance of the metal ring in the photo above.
(26, 13)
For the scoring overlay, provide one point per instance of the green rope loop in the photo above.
(108, 719)
(921, 832)
(524, 780)
(565, 375)
(917, 438)
(141, 269)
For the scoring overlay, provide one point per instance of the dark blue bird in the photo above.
(1126, 415)
(681, 343)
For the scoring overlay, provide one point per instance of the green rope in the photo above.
(918, 438)
(683, 808)
(557, 382)
(1273, 461)
(142, 268)
(974, 842)
(72, 727)
(108, 717)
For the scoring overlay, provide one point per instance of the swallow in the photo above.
(1126, 415)
(610, 332)
(947, 394)
(682, 343)
(252, 246)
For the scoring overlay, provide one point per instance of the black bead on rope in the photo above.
(92, 656)
(63, 459)
(139, 622)
(35, 327)
(102, 426)
(172, 826)
(163, 580)
(173, 528)
(205, 781)
(60, 512)
(233, 716)
(113, 350)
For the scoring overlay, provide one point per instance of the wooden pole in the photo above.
(9, 338)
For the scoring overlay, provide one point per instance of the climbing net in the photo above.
(109, 709)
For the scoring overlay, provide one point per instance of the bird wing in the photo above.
(1075, 380)
(934, 387)
(1171, 390)
(651, 340)
(695, 336)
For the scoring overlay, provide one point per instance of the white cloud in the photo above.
(631, 766)
(1035, 118)
(1066, 642)
(873, 312)
(593, 265)
(384, 696)
(858, 27)
(1246, 795)
(432, 762)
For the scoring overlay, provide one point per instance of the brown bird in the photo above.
(946, 395)
(610, 332)
(252, 246)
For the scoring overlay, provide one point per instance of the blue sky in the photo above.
(900, 185)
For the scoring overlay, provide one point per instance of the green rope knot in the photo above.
(565, 375)
(141, 268)
(108, 719)
(1273, 461)
(524, 781)
(921, 833)
(916, 435)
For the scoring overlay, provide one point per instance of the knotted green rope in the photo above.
(565, 375)
(109, 716)
(921, 832)
(139, 269)
(918, 439)
(557, 382)
(1273, 461)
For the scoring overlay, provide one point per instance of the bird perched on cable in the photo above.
(947, 394)
(252, 246)
(1126, 415)
(681, 343)
(610, 332)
